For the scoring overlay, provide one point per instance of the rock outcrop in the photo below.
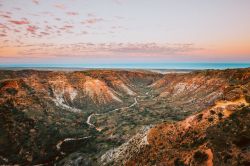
(197, 118)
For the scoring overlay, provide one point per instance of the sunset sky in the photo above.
(124, 31)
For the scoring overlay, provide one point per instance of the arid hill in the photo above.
(114, 117)
(39, 108)
(219, 134)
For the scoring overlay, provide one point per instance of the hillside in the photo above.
(108, 117)
(217, 135)
(40, 108)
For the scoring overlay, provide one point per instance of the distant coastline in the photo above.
(176, 67)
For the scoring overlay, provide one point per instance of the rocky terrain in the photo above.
(39, 109)
(217, 135)
(114, 117)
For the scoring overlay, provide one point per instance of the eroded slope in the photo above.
(216, 135)
(40, 109)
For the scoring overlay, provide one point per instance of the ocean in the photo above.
(190, 66)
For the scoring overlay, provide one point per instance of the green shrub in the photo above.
(200, 156)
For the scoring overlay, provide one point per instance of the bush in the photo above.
(212, 112)
(247, 97)
(199, 117)
(220, 115)
(178, 162)
(210, 119)
(11, 91)
(200, 156)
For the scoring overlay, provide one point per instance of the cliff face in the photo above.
(198, 90)
(40, 108)
(217, 135)
(73, 89)
(211, 137)
(145, 118)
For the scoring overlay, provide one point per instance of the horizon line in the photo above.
(169, 66)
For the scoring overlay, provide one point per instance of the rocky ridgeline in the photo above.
(217, 135)
(127, 150)
(198, 90)
(38, 109)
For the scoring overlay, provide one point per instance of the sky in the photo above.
(124, 31)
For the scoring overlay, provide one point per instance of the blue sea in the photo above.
(191, 66)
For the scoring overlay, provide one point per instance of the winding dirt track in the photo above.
(95, 114)
(59, 144)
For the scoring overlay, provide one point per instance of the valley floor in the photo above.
(103, 117)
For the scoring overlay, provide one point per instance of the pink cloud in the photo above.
(48, 13)
(117, 27)
(5, 16)
(35, 2)
(8, 12)
(48, 27)
(32, 29)
(115, 49)
(3, 35)
(84, 32)
(44, 33)
(119, 17)
(92, 21)
(2, 26)
(91, 15)
(17, 8)
(68, 26)
(118, 1)
(16, 30)
(19, 22)
(60, 6)
(57, 19)
(72, 13)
